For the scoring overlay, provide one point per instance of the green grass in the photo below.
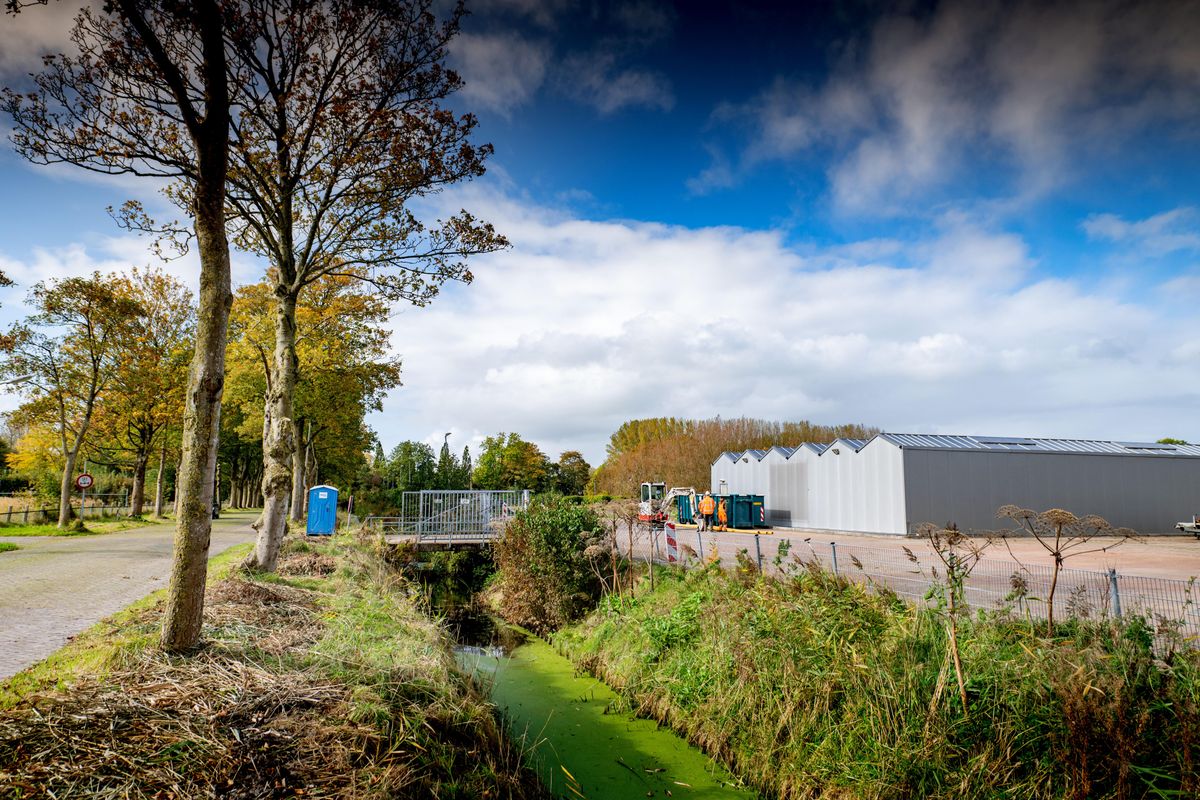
(7, 546)
(93, 527)
(816, 687)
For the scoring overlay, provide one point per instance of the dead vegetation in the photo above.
(284, 699)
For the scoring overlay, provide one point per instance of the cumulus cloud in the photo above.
(585, 324)
(911, 105)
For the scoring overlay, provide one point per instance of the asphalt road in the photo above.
(55, 587)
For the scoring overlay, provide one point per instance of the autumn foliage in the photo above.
(680, 452)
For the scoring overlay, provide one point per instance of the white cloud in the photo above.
(36, 31)
(598, 80)
(1170, 231)
(501, 71)
(585, 324)
(910, 107)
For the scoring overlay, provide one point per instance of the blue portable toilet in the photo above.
(322, 510)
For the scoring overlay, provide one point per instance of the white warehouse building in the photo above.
(896, 481)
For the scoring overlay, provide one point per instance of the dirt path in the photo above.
(55, 587)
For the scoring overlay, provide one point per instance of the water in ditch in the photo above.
(578, 742)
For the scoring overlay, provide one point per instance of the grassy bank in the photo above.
(815, 687)
(324, 680)
(91, 527)
(6, 547)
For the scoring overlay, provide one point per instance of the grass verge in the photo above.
(323, 680)
(7, 546)
(91, 527)
(813, 686)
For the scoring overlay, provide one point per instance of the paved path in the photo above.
(57, 586)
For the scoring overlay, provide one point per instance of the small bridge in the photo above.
(464, 517)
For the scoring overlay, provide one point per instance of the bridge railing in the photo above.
(447, 516)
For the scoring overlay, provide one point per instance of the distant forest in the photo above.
(680, 452)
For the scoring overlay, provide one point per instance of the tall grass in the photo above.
(814, 686)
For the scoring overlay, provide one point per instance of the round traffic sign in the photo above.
(84, 481)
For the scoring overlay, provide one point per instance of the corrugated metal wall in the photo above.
(1147, 493)
(858, 491)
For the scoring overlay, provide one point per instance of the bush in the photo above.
(544, 578)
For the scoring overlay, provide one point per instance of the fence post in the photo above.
(1114, 592)
(758, 552)
(700, 545)
(26, 515)
(833, 549)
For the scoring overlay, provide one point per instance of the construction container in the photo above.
(322, 510)
(686, 514)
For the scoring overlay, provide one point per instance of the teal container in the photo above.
(758, 511)
(683, 506)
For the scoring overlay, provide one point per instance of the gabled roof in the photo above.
(728, 456)
(1010, 444)
(757, 455)
(812, 447)
(786, 452)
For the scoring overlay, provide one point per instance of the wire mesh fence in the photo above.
(449, 516)
(909, 570)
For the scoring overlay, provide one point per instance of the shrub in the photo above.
(544, 578)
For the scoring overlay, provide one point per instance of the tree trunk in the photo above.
(184, 613)
(299, 488)
(64, 492)
(279, 440)
(137, 497)
(158, 483)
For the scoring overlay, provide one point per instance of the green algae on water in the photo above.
(580, 747)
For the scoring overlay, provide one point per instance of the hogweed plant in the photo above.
(959, 554)
(1063, 535)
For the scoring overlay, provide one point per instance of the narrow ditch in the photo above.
(571, 726)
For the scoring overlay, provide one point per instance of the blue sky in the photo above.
(972, 217)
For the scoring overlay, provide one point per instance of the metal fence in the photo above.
(446, 517)
(907, 569)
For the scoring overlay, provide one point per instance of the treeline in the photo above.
(102, 363)
(505, 461)
(680, 452)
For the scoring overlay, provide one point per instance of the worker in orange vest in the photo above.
(722, 516)
(707, 507)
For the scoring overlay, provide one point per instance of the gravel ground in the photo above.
(55, 587)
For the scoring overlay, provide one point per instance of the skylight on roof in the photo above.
(1151, 448)
(1005, 441)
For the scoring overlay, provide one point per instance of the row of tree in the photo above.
(102, 363)
(506, 461)
(680, 452)
(298, 130)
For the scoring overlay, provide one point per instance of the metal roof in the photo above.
(1010, 444)
(993, 444)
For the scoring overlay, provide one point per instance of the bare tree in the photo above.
(341, 126)
(1063, 535)
(148, 95)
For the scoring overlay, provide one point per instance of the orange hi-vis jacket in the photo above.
(707, 505)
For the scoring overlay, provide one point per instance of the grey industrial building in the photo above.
(896, 481)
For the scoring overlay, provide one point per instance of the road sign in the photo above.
(84, 481)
